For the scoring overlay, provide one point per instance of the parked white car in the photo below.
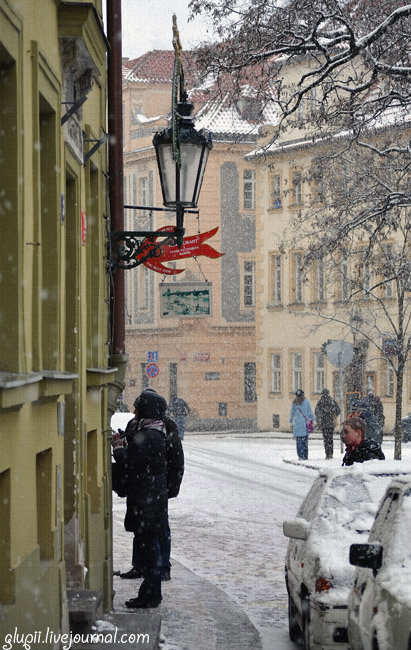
(338, 511)
(379, 604)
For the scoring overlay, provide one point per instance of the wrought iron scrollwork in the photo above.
(130, 249)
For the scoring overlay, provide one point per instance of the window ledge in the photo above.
(100, 376)
(17, 380)
(17, 389)
(274, 305)
(57, 382)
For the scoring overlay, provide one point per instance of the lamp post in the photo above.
(356, 322)
(182, 154)
(356, 368)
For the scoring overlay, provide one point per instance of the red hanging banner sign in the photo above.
(192, 247)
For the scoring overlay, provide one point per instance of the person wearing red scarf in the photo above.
(357, 449)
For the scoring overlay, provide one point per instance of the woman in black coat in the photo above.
(143, 468)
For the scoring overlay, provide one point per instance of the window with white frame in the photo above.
(389, 380)
(389, 289)
(297, 188)
(366, 270)
(143, 302)
(300, 111)
(133, 190)
(311, 107)
(275, 373)
(344, 280)
(320, 280)
(298, 260)
(276, 278)
(249, 189)
(389, 286)
(275, 191)
(297, 370)
(249, 284)
(318, 372)
(143, 192)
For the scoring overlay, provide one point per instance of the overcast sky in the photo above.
(147, 25)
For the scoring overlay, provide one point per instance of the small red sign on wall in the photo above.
(201, 356)
(83, 228)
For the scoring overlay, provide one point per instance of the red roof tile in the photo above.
(157, 66)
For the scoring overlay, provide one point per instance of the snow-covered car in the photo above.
(338, 511)
(379, 605)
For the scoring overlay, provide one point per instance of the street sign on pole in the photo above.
(339, 353)
(152, 370)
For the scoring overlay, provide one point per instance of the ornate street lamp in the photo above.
(182, 154)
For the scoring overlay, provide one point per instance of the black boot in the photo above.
(132, 574)
(138, 603)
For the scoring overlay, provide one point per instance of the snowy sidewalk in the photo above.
(196, 614)
(193, 614)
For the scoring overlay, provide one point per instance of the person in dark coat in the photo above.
(361, 409)
(142, 465)
(179, 409)
(175, 471)
(357, 448)
(376, 407)
(326, 412)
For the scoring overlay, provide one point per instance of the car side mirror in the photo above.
(296, 528)
(368, 556)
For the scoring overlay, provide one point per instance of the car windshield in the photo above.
(350, 502)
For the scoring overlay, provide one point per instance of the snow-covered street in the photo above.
(226, 523)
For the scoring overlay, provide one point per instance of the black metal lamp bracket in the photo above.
(126, 250)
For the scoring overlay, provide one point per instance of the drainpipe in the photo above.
(118, 356)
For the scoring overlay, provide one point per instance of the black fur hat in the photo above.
(150, 404)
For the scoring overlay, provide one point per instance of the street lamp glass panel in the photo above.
(167, 171)
(193, 163)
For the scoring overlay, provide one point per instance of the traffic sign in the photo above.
(152, 370)
(339, 353)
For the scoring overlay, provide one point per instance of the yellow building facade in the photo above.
(55, 494)
(299, 310)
